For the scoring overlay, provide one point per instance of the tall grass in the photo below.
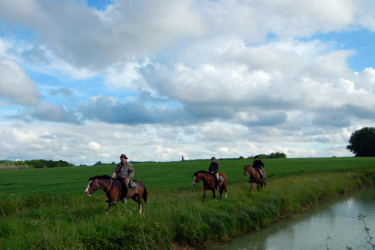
(171, 218)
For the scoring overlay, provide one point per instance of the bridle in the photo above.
(196, 179)
(98, 186)
(247, 171)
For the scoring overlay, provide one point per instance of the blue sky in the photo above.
(85, 81)
(362, 41)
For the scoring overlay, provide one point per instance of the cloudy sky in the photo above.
(88, 80)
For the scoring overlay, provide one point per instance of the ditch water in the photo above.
(334, 224)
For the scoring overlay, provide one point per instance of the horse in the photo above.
(114, 189)
(210, 184)
(255, 177)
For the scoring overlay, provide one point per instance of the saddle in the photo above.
(132, 185)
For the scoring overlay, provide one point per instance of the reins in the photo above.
(110, 185)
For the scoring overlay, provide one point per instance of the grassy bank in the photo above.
(172, 218)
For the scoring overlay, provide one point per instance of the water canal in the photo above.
(334, 224)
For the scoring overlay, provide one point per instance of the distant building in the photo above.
(183, 158)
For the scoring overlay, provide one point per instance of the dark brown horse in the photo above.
(115, 188)
(255, 177)
(210, 184)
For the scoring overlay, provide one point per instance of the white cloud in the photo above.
(105, 142)
(201, 72)
(285, 74)
(91, 42)
(15, 85)
(122, 76)
(80, 36)
(94, 146)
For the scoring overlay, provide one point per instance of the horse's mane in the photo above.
(100, 177)
(201, 171)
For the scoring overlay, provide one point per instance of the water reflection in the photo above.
(309, 230)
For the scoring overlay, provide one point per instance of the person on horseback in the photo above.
(214, 170)
(125, 172)
(259, 165)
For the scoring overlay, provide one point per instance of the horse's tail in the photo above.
(145, 195)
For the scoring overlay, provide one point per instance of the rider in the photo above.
(124, 171)
(258, 165)
(214, 170)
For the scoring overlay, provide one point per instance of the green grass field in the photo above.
(46, 208)
(165, 176)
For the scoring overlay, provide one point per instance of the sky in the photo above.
(84, 81)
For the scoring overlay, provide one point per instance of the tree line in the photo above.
(8, 164)
(274, 155)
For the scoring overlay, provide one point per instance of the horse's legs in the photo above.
(251, 186)
(221, 191)
(138, 199)
(110, 204)
(204, 195)
(258, 186)
(139, 204)
(213, 192)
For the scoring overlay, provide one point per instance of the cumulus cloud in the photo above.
(131, 30)
(111, 110)
(259, 85)
(105, 142)
(15, 85)
(192, 78)
(50, 113)
(125, 28)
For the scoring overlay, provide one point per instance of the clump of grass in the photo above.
(362, 217)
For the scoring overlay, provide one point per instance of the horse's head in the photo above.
(196, 178)
(91, 187)
(247, 170)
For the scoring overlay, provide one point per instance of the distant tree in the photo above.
(183, 158)
(262, 156)
(280, 155)
(98, 163)
(273, 155)
(241, 158)
(362, 142)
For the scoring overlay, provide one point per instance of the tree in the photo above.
(362, 142)
(280, 155)
(98, 163)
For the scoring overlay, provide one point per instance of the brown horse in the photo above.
(210, 184)
(115, 188)
(255, 177)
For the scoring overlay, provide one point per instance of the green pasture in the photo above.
(46, 208)
(165, 176)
